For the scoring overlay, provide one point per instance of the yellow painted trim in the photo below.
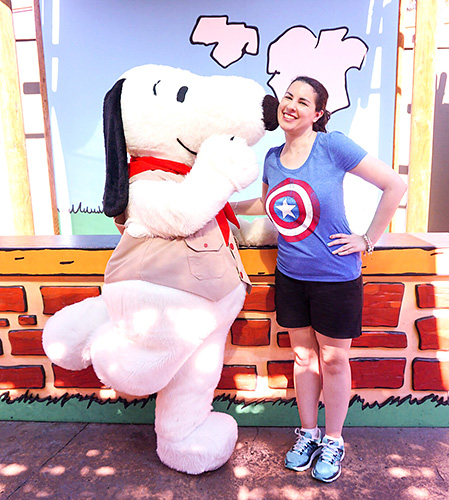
(257, 262)
(406, 261)
(48, 262)
(381, 262)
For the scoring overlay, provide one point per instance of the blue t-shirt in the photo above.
(307, 206)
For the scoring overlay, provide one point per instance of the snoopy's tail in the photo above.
(67, 334)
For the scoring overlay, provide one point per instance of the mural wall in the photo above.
(349, 45)
(400, 364)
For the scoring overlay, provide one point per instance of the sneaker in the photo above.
(302, 453)
(328, 465)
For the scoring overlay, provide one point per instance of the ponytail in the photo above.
(320, 125)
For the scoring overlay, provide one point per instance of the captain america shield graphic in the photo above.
(294, 209)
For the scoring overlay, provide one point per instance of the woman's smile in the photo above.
(289, 116)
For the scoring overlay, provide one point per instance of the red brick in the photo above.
(27, 320)
(284, 339)
(85, 379)
(280, 374)
(57, 297)
(251, 332)
(432, 295)
(377, 373)
(389, 340)
(22, 377)
(261, 298)
(433, 333)
(4, 322)
(238, 377)
(382, 303)
(26, 342)
(13, 299)
(425, 295)
(430, 374)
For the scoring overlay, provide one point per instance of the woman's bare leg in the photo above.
(336, 373)
(306, 374)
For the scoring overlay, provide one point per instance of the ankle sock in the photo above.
(315, 433)
(339, 440)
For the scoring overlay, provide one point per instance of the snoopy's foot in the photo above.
(67, 335)
(207, 448)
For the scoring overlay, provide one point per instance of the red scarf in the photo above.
(141, 164)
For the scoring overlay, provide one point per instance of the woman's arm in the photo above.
(393, 188)
(255, 206)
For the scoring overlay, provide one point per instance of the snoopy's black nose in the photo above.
(270, 107)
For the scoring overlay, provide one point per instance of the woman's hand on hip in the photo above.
(350, 243)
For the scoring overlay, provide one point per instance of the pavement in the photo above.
(118, 461)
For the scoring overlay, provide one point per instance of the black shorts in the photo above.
(333, 309)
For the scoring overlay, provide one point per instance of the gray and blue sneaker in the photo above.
(302, 453)
(328, 465)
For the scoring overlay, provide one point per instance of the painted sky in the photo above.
(350, 45)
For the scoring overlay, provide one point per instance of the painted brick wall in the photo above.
(379, 360)
(404, 349)
(255, 328)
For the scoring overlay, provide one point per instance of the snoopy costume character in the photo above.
(175, 283)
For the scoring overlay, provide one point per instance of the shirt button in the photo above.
(231, 246)
(205, 245)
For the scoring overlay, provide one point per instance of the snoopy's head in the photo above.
(167, 113)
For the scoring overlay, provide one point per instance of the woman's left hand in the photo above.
(351, 243)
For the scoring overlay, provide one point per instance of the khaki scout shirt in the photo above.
(202, 263)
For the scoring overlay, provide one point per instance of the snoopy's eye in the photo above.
(154, 87)
(182, 94)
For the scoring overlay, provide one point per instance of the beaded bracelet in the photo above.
(369, 245)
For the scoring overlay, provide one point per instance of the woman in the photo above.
(319, 289)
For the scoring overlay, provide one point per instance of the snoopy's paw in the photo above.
(207, 448)
(258, 233)
(137, 230)
(231, 157)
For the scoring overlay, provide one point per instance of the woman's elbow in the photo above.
(402, 186)
(397, 185)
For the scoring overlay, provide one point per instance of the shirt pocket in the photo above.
(205, 256)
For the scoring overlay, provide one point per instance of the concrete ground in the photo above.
(112, 461)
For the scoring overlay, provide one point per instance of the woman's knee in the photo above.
(305, 347)
(334, 361)
(306, 357)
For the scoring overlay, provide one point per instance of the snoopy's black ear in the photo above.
(115, 197)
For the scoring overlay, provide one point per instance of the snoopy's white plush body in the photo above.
(143, 337)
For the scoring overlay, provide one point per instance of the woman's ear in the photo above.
(116, 189)
(318, 115)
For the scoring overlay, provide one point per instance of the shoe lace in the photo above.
(330, 454)
(302, 442)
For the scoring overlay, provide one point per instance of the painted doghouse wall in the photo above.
(400, 365)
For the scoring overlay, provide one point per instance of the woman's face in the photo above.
(296, 111)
